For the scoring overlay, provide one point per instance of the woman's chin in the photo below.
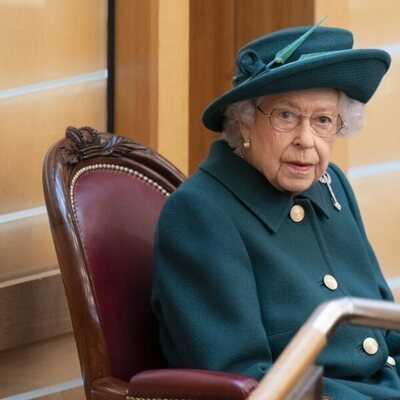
(297, 186)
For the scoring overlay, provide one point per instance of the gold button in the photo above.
(297, 213)
(370, 345)
(391, 361)
(330, 282)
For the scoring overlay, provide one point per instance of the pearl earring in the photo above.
(247, 144)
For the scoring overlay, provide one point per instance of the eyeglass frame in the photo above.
(301, 116)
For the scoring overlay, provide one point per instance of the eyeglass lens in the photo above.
(322, 124)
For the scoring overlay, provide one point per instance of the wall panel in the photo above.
(173, 81)
(379, 140)
(33, 309)
(383, 16)
(373, 154)
(382, 217)
(43, 40)
(37, 366)
(212, 48)
(24, 141)
(136, 70)
(26, 248)
(52, 74)
(257, 17)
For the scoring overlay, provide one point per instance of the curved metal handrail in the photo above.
(305, 346)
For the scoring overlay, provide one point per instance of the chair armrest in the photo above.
(190, 384)
(109, 388)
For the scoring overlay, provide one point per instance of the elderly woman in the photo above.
(267, 228)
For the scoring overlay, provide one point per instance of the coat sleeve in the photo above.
(204, 292)
(336, 389)
(392, 337)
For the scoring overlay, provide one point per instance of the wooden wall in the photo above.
(136, 67)
(373, 155)
(52, 74)
(184, 59)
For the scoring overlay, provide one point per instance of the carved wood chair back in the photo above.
(103, 194)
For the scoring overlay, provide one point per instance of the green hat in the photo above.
(301, 58)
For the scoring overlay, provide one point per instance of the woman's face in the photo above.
(291, 161)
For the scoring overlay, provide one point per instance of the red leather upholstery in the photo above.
(116, 214)
(190, 383)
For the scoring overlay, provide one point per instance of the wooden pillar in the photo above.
(212, 50)
(173, 82)
(257, 17)
(151, 75)
(136, 70)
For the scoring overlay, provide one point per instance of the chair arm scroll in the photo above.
(109, 388)
(189, 384)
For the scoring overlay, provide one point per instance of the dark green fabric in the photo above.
(235, 277)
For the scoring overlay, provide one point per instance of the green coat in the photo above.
(235, 277)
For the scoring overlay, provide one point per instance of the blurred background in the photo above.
(146, 69)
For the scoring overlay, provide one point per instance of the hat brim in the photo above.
(356, 72)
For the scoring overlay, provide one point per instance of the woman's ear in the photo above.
(244, 131)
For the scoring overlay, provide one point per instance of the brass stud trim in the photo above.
(154, 398)
(115, 167)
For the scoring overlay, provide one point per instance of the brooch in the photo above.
(327, 180)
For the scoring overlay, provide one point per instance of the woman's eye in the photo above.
(324, 119)
(287, 115)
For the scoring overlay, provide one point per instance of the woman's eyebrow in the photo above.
(282, 103)
(285, 102)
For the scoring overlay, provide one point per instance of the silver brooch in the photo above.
(327, 180)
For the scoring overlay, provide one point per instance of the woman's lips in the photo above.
(300, 167)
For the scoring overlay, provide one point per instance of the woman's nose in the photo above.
(304, 135)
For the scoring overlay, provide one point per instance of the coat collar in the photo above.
(254, 191)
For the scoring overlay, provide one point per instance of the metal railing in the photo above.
(305, 346)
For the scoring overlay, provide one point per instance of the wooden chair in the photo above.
(103, 194)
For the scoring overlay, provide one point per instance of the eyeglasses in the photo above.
(324, 125)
